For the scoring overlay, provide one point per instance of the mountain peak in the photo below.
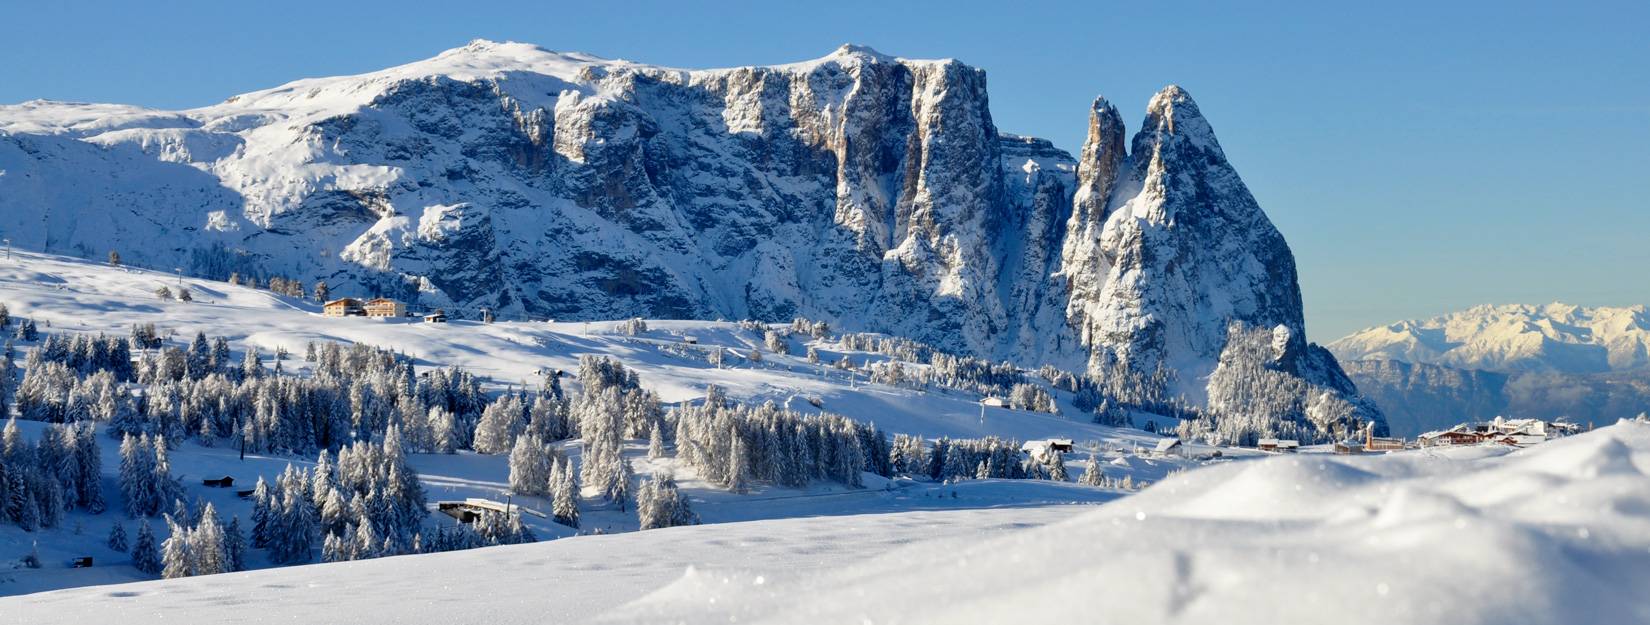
(859, 51)
(1173, 111)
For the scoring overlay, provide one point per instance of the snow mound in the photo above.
(1429, 552)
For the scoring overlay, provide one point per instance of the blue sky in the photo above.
(1419, 158)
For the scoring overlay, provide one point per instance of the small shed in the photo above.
(995, 402)
(219, 482)
(439, 316)
(690, 340)
(1168, 447)
(472, 508)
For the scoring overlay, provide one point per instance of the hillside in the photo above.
(70, 297)
(869, 191)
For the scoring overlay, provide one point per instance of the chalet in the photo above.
(473, 508)
(1168, 447)
(385, 307)
(1278, 445)
(1458, 435)
(344, 307)
(994, 402)
(439, 316)
(82, 562)
(219, 482)
(690, 340)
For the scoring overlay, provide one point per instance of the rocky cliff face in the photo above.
(867, 190)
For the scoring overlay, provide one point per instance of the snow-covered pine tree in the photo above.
(500, 423)
(1092, 475)
(1056, 463)
(176, 558)
(565, 508)
(234, 545)
(262, 509)
(117, 537)
(529, 466)
(659, 503)
(145, 554)
(208, 545)
(656, 442)
(738, 464)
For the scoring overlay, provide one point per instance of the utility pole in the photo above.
(179, 271)
(8, 249)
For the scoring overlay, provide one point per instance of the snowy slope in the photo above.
(866, 190)
(1553, 534)
(1511, 338)
(66, 294)
(70, 295)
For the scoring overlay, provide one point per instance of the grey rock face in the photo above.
(869, 191)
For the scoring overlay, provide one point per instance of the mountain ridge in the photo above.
(863, 189)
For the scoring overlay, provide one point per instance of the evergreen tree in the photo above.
(656, 442)
(145, 556)
(262, 510)
(208, 544)
(566, 505)
(117, 537)
(500, 423)
(235, 545)
(1057, 466)
(176, 559)
(529, 466)
(659, 503)
(1092, 476)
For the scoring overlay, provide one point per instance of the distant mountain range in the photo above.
(1590, 364)
(866, 190)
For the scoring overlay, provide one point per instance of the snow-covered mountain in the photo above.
(1510, 338)
(866, 190)
(1556, 360)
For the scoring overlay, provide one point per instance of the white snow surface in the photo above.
(1511, 338)
(1558, 533)
(64, 294)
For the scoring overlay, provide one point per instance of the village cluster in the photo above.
(1501, 430)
